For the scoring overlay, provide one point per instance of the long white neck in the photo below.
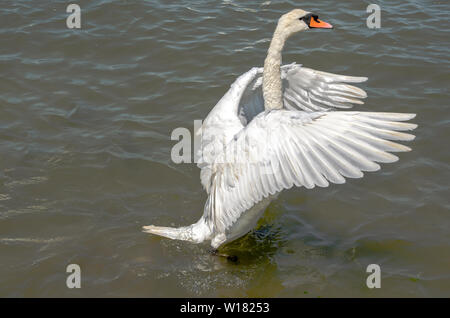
(272, 88)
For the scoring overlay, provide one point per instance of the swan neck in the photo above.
(272, 85)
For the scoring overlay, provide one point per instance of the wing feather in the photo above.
(304, 89)
(248, 154)
(280, 149)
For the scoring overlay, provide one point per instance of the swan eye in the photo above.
(307, 18)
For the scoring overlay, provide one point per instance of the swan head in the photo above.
(299, 20)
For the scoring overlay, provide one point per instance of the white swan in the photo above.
(271, 132)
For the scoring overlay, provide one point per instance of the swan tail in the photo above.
(196, 233)
(169, 232)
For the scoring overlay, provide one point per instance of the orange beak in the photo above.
(316, 23)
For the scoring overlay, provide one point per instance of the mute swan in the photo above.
(271, 132)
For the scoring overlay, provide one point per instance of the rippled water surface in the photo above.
(85, 123)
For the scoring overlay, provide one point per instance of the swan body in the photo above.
(277, 127)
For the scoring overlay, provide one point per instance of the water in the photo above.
(85, 123)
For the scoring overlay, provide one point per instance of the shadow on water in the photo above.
(249, 276)
(257, 246)
(262, 243)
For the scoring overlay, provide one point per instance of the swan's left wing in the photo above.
(305, 89)
(312, 90)
(279, 149)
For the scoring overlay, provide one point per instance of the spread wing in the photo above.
(304, 89)
(221, 125)
(279, 149)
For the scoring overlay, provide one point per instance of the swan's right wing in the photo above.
(305, 89)
(279, 149)
(222, 124)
